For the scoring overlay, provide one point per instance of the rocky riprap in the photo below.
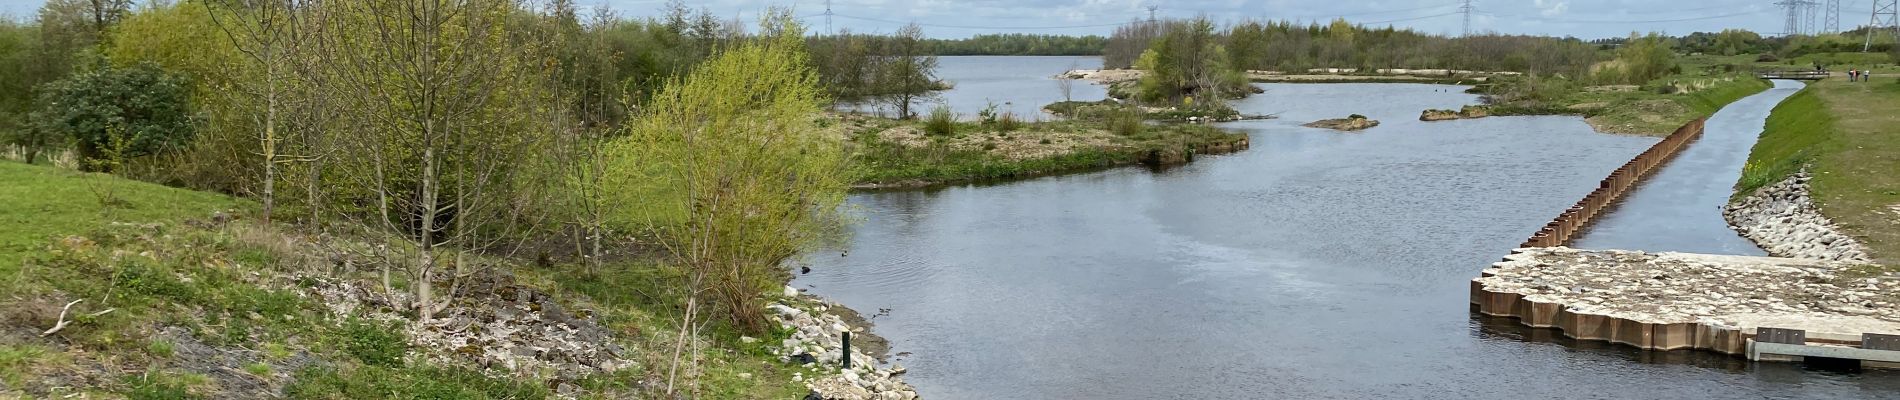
(1726, 292)
(1783, 220)
(817, 342)
(492, 324)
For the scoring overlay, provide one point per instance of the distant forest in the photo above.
(1019, 44)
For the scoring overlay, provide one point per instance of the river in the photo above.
(1317, 264)
(1679, 208)
(1020, 85)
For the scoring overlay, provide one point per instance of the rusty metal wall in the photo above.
(1574, 220)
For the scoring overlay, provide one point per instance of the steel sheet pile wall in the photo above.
(1560, 231)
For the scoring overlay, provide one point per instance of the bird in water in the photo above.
(804, 270)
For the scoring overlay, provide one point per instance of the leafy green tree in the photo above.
(1188, 61)
(19, 47)
(139, 110)
(1642, 59)
(733, 185)
(908, 72)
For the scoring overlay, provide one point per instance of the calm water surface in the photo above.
(1316, 265)
(1015, 84)
(1679, 208)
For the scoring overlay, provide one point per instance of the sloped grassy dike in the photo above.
(173, 294)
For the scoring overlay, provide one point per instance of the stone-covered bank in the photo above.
(1782, 219)
(816, 341)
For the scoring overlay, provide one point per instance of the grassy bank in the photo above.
(177, 304)
(1844, 134)
(1700, 86)
(907, 154)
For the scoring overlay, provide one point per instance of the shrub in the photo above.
(139, 110)
(1008, 122)
(1126, 122)
(941, 121)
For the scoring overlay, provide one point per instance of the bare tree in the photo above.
(1067, 84)
(909, 74)
(442, 112)
(269, 33)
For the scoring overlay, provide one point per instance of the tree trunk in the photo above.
(426, 261)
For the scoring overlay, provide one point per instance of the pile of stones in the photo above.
(1782, 219)
(817, 342)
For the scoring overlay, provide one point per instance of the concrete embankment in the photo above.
(1669, 301)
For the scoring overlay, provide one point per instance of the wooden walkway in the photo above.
(1795, 75)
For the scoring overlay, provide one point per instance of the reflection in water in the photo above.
(1316, 265)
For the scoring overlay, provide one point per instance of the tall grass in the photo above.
(1796, 130)
(941, 122)
(1008, 122)
(1126, 122)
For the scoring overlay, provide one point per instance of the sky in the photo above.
(962, 18)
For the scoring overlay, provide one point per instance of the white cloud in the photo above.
(1552, 8)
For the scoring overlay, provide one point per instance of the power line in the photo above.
(1833, 17)
(1407, 19)
(1653, 21)
(1466, 9)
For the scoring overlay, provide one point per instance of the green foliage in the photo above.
(743, 181)
(941, 122)
(1186, 65)
(418, 383)
(44, 203)
(1018, 44)
(1127, 122)
(1642, 59)
(1294, 47)
(158, 385)
(1728, 42)
(1007, 123)
(143, 106)
(19, 55)
(373, 343)
(258, 368)
(160, 348)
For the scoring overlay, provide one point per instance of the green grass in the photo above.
(419, 383)
(230, 287)
(976, 153)
(1844, 133)
(1656, 108)
(44, 202)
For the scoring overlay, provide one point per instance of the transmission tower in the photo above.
(828, 18)
(1808, 10)
(1883, 18)
(1466, 10)
(1151, 13)
(1832, 17)
(1795, 10)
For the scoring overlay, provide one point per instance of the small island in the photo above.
(1351, 123)
(1466, 112)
